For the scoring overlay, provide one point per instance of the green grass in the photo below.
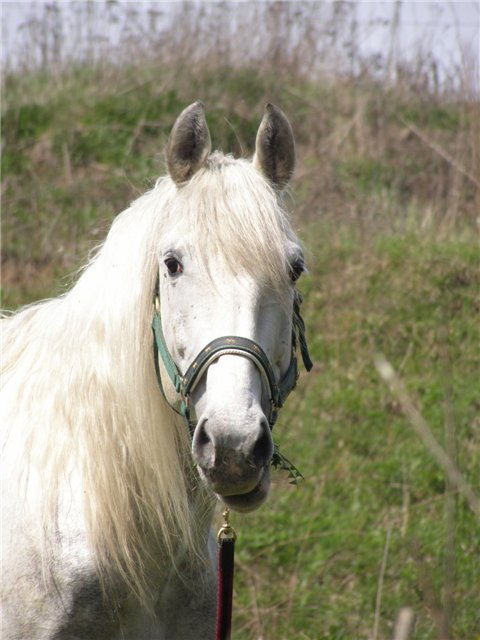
(309, 560)
(320, 545)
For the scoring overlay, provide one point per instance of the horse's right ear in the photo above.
(189, 143)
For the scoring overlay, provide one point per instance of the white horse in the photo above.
(107, 496)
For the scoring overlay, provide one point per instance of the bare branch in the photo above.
(441, 152)
(419, 425)
(403, 624)
(383, 566)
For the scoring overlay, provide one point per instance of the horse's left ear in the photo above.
(189, 144)
(275, 147)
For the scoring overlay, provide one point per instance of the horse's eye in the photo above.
(173, 265)
(296, 269)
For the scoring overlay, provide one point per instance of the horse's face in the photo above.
(232, 441)
(203, 298)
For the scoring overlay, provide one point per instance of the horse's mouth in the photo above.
(251, 500)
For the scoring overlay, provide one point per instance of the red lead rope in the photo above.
(226, 556)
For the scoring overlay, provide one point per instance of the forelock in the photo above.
(230, 209)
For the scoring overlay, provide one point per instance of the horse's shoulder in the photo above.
(50, 585)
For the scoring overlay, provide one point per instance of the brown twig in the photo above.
(441, 152)
(420, 426)
(403, 624)
(450, 498)
(378, 600)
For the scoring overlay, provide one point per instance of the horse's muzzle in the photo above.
(251, 500)
(234, 463)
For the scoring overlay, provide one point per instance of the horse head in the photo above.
(226, 292)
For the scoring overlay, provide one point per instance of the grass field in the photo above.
(369, 482)
(386, 200)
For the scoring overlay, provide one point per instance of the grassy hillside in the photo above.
(312, 559)
(386, 201)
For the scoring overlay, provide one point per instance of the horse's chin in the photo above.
(245, 502)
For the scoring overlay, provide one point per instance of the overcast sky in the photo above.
(446, 29)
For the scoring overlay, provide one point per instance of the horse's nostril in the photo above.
(203, 448)
(263, 449)
(201, 436)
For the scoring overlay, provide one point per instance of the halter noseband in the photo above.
(231, 345)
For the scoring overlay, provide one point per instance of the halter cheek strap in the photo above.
(184, 384)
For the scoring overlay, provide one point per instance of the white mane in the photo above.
(78, 382)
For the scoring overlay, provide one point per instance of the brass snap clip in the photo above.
(226, 531)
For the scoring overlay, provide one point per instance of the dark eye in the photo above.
(296, 269)
(173, 265)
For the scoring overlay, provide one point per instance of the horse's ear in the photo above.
(275, 147)
(189, 143)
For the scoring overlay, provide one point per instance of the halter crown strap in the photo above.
(299, 325)
(170, 366)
